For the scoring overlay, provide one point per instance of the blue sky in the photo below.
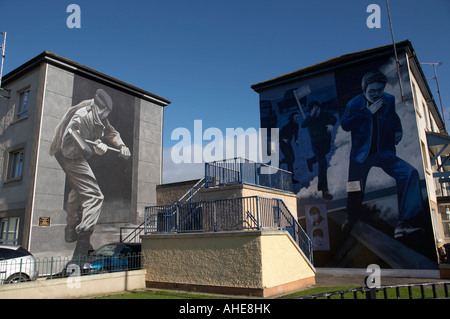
(203, 55)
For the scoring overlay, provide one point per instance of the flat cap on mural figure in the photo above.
(83, 123)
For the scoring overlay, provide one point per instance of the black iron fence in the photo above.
(427, 290)
(29, 269)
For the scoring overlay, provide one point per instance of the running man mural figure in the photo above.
(320, 123)
(375, 131)
(288, 133)
(84, 131)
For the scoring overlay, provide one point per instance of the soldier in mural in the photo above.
(319, 123)
(83, 132)
(288, 133)
(375, 131)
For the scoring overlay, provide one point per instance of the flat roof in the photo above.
(72, 66)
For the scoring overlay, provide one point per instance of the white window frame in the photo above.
(9, 230)
(426, 115)
(14, 167)
(415, 100)
(445, 221)
(23, 103)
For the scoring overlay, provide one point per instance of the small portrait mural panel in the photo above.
(317, 226)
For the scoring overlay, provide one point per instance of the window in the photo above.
(22, 107)
(436, 227)
(415, 99)
(15, 165)
(9, 230)
(426, 163)
(445, 218)
(425, 112)
(433, 126)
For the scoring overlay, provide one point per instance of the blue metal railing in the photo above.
(243, 213)
(131, 234)
(244, 171)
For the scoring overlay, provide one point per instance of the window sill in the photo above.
(13, 180)
(19, 120)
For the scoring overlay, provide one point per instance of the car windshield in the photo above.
(106, 251)
(8, 253)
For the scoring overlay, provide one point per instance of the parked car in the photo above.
(16, 264)
(108, 258)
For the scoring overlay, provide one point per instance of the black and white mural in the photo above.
(93, 144)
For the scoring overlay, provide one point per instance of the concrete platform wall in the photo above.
(260, 263)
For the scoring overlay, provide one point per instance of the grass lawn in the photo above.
(162, 294)
(165, 294)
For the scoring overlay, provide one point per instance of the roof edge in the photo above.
(67, 64)
(330, 64)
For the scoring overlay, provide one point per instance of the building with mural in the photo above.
(358, 133)
(80, 156)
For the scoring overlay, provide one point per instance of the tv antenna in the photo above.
(395, 52)
(434, 64)
(3, 47)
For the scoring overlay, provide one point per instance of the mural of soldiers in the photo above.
(319, 124)
(375, 131)
(83, 125)
(288, 133)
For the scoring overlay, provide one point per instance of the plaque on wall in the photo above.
(44, 221)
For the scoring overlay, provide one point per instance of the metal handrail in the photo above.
(136, 231)
(191, 192)
(298, 234)
(243, 171)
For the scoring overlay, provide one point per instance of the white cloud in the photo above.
(186, 159)
(173, 172)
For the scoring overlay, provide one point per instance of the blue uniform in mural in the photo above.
(320, 124)
(375, 131)
(288, 133)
